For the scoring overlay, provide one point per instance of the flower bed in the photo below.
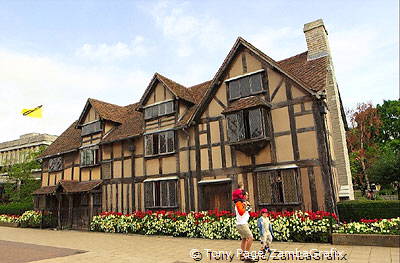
(29, 219)
(288, 226)
(371, 226)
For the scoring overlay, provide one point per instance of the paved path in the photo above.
(110, 248)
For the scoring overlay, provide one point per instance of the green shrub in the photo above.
(356, 210)
(35, 219)
(15, 208)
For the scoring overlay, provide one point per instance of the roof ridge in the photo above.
(291, 57)
(97, 100)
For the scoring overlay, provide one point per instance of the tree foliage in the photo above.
(20, 182)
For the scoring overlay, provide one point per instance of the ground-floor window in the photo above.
(160, 194)
(278, 187)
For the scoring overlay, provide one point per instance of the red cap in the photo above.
(264, 210)
(237, 194)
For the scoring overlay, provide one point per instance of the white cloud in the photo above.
(117, 51)
(188, 31)
(279, 43)
(62, 89)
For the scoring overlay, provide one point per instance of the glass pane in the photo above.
(234, 91)
(170, 141)
(149, 144)
(155, 143)
(163, 142)
(277, 188)
(148, 194)
(161, 109)
(157, 194)
(154, 111)
(232, 127)
(169, 107)
(241, 127)
(264, 188)
(255, 123)
(255, 83)
(164, 193)
(289, 183)
(172, 193)
(244, 87)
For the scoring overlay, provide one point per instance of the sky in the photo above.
(59, 53)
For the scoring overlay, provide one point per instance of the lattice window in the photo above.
(91, 128)
(255, 124)
(55, 164)
(162, 142)
(148, 194)
(245, 86)
(159, 110)
(170, 141)
(290, 185)
(160, 194)
(277, 187)
(148, 141)
(89, 156)
(256, 83)
(234, 90)
(236, 128)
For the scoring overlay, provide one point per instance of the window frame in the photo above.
(159, 134)
(94, 150)
(159, 193)
(149, 111)
(275, 173)
(61, 162)
(247, 126)
(248, 76)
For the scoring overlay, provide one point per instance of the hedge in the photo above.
(355, 210)
(15, 208)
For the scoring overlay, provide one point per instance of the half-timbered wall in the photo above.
(294, 147)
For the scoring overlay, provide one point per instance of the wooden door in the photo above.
(217, 196)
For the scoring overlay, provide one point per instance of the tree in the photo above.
(362, 140)
(20, 183)
(389, 114)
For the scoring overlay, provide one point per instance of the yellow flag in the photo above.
(34, 113)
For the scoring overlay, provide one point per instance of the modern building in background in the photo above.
(275, 126)
(16, 151)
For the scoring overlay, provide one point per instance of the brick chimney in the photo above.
(318, 46)
(317, 39)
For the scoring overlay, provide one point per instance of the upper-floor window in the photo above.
(90, 128)
(245, 86)
(55, 164)
(158, 110)
(160, 143)
(89, 156)
(246, 125)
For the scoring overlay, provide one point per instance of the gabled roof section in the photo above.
(241, 43)
(312, 72)
(177, 89)
(131, 126)
(69, 140)
(106, 111)
(246, 103)
(69, 186)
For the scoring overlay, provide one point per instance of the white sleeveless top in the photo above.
(241, 220)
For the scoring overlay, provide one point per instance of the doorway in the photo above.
(216, 196)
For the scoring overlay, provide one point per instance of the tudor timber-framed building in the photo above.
(276, 126)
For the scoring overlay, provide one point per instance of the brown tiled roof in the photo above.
(312, 72)
(69, 140)
(76, 187)
(131, 126)
(69, 187)
(109, 111)
(245, 103)
(198, 92)
(177, 89)
(45, 190)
